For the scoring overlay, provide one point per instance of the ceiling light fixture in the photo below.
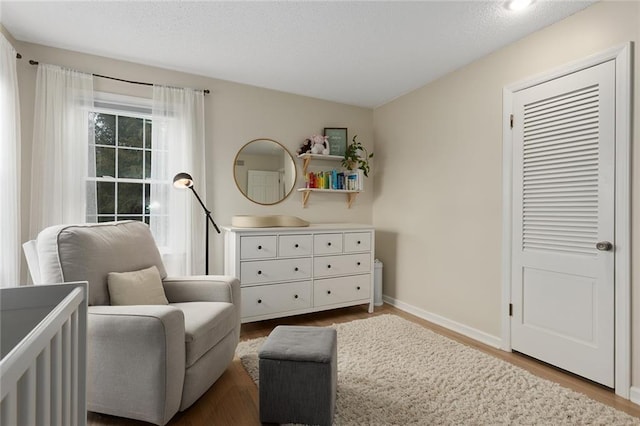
(518, 4)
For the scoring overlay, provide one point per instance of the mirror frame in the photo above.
(295, 171)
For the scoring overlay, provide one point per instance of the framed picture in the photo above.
(337, 138)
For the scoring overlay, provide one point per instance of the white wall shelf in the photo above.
(306, 159)
(306, 192)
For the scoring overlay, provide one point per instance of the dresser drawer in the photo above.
(259, 247)
(264, 271)
(294, 245)
(357, 241)
(331, 291)
(327, 243)
(327, 266)
(273, 298)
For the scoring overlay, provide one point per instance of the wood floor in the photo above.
(233, 399)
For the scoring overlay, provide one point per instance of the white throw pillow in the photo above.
(142, 287)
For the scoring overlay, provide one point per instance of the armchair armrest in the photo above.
(135, 361)
(206, 288)
(203, 288)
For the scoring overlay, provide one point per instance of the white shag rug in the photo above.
(394, 372)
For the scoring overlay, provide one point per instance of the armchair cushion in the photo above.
(143, 287)
(88, 252)
(205, 324)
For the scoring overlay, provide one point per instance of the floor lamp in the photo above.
(182, 181)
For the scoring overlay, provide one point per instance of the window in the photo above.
(123, 148)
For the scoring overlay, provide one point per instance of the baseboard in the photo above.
(634, 394)
(465, 330)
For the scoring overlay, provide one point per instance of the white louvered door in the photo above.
(563, 206)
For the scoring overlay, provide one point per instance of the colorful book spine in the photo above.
(334, 180)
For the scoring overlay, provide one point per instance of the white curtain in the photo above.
(61, 158)
(177, 219)
(9, 167)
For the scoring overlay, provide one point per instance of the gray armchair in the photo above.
(144, 362)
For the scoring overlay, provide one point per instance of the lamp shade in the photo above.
(183, 180)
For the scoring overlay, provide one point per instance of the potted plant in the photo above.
(357, 155)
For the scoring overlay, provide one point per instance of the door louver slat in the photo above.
(553, 203)
(552, 248)
(552, 156)
(563, 129)
(561, 221)
(566, 112)
(565, 143)
(563, 99)
(551, 175)
(562, 233)
(543, 187)
(560, 173)
(580, 160)
(552, 140)
(555, 125)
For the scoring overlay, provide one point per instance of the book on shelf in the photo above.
(350, 180)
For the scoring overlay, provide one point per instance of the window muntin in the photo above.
(123, 152)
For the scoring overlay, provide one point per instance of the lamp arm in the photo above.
(206, 210)
(212, 222)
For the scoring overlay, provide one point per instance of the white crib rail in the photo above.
(43, 378)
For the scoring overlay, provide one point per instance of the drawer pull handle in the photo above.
(358, 288)
(328, 291)
(358, 263)
(295, 269)
(328, 266)
(358, 242)
(296, 246)
(259, 300)
(295, 296)
(259, 272)
(259, 247)
(329, 243)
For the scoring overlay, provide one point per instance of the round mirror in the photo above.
(264, 171)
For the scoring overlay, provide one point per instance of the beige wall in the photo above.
(437, 207)
(235, 114)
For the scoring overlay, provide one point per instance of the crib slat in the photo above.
(82, 363)
(74, 368)
(27, 397)
(43, 387)
(9, 407)
(66, 373)
(56, 380)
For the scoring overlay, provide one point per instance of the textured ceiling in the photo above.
(362, 53)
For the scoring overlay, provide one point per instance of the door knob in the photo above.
(604, 246)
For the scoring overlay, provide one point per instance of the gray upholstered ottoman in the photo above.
(299, 375)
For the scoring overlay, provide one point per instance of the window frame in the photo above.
(134, 107)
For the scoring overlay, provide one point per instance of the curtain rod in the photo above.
(32, 62)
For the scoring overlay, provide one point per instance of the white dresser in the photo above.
(290, 271)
